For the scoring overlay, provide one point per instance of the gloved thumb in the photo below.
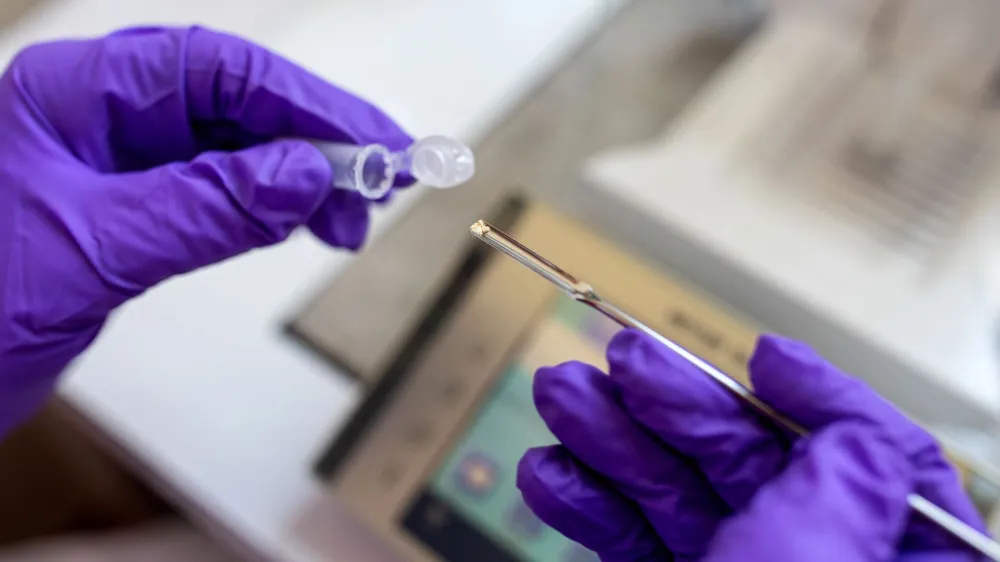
(841, 497)
(182, 216)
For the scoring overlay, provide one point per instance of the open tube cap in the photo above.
(441, 162)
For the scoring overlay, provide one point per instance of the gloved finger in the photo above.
(796, 381)
(585, 508)
(694, 415)
(842, 497)
(151, 225)
(579, 404)
(341, 220)
(230, 80)
(148, 96)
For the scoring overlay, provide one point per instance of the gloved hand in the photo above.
(146, 154)
(658, 463)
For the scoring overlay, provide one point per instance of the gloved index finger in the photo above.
(232, 80)
(795, 380)
(696, 416)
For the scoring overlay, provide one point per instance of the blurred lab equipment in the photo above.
(836, 183)
(371, 170)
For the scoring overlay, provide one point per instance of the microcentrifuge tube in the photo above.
(437, 161)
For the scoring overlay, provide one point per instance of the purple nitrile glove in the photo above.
(146, 154)
(659, 463)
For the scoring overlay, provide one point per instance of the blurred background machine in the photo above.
(832, 180)
(838, 182)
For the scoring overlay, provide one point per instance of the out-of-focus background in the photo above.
(823, 169)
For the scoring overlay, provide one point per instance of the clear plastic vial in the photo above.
(437, 161)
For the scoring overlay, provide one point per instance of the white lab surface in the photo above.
(193, 382)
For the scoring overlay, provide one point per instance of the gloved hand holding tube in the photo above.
(659, 463)
(149, 153)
